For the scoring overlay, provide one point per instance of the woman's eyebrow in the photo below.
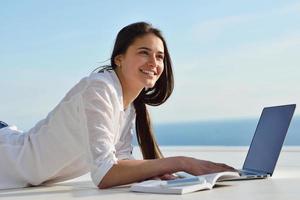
(146, 48)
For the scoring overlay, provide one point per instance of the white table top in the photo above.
(283, 185)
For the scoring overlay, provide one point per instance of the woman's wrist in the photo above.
(179, 163)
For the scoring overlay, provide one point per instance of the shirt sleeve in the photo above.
(99, 102)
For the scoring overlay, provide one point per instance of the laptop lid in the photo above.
(268, 138)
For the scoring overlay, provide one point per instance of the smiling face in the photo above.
(142, 64)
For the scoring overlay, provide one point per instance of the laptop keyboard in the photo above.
(245, 173)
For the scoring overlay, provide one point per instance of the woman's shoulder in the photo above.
(94, 82)
(105, 80)
(105, 76)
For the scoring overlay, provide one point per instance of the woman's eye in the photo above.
(160, 57)
(144, 52)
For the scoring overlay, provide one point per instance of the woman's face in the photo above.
(143, 62)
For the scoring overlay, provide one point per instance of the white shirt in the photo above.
(87, 131)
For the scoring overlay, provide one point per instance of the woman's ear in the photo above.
(118, 60)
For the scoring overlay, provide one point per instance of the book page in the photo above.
(160, 186)
(154, 186)
(214, 177)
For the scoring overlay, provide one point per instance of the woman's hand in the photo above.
(200, 167)
(165, 177)
(196, 167)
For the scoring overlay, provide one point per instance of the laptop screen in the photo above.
(268, 138)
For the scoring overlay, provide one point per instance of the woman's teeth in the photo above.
(147, 72)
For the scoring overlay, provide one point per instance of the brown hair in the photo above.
(151, 96)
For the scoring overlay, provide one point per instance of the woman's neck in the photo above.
(129, 95)
(130, 92)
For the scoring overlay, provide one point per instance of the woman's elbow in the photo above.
(102, 185)
(105, 184)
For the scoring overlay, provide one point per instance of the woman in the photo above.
(91, 128)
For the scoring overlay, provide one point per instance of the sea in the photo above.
(228, 132)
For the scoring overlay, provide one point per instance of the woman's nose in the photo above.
(152, 61)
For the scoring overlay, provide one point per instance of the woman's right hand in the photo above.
(199, 167)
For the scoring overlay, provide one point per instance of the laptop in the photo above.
(267, 142)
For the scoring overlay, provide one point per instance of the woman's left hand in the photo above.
(165, 177)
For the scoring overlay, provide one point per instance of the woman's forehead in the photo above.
(149, 41)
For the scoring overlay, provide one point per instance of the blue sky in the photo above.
(230, 58)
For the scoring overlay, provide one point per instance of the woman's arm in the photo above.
(129, 171)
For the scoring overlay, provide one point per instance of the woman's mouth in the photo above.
(148, 72)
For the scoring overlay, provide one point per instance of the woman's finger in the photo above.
(167, 177)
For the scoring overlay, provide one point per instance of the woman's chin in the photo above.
(149, 85)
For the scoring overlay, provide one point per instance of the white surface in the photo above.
(283, 185)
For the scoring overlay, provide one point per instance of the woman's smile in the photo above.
(149, 73)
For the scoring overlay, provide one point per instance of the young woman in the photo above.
(92, 127)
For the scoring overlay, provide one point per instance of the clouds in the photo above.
(212, 29)
(293, 8)
(273, 18)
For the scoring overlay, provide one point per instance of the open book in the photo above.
(182, 185)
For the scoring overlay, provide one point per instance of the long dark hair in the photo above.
(151, 96)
